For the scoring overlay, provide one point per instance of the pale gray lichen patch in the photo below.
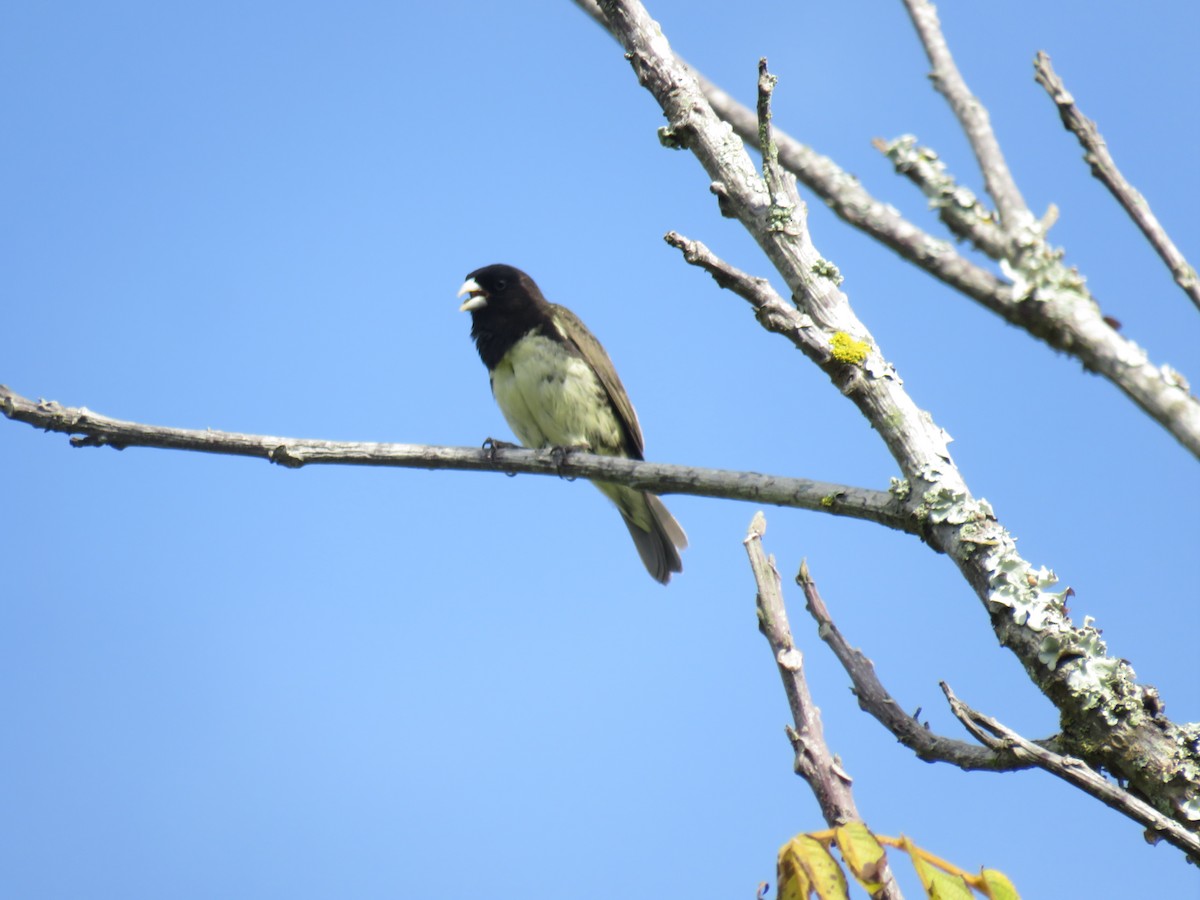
(823, 268)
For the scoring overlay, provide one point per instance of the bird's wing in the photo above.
(593, 354)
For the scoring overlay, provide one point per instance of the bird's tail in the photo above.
(659, 544)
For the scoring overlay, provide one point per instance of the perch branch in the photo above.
(91, 429)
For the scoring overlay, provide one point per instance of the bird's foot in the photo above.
(491, 445)
(560, 454)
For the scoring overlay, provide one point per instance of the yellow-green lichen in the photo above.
(847, 350)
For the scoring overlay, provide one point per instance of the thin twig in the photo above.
(1105, 168)
(754, 290)
(814, 762)
(773, 312)
(91, 429)
(875, 699)
(959, 208)
(1076, 772)
(972, 115)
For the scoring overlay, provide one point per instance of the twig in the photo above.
(95, 430)
(754, 290)
(1076, 772)
(814, 762)
(958, 207)
(1105, 168)
(973, 117)
(773, 312)
(875, 699)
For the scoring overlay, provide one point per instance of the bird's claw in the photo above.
(491, 445)
(560, 454)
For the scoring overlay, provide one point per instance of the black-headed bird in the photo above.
(557, 388)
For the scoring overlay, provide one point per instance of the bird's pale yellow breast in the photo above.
(552, 398)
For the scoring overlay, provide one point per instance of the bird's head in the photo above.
(497, 287)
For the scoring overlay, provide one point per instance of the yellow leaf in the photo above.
(791, 881)
(996, 886)
(864, 855)
(938, 885)
(805, 866)
(945, 886)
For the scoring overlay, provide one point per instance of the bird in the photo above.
(557, 388)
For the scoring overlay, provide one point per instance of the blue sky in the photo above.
(228, 679)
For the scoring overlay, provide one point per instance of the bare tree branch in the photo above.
(874, 698)
(756, 291)
(773, 312)
(95, 430)
(815, 763)
(1105, 168)
(973, 117)
(1107, 716)
(1075, 772)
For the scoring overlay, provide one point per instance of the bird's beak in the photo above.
(476, 296)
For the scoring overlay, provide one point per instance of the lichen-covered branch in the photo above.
(1107, 717)
(1062, 313)
(815, 762)
(959, 208)
(1050, 299)
(1095, 153)
(1055, 302)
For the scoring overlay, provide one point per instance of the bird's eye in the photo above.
(501, 284)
